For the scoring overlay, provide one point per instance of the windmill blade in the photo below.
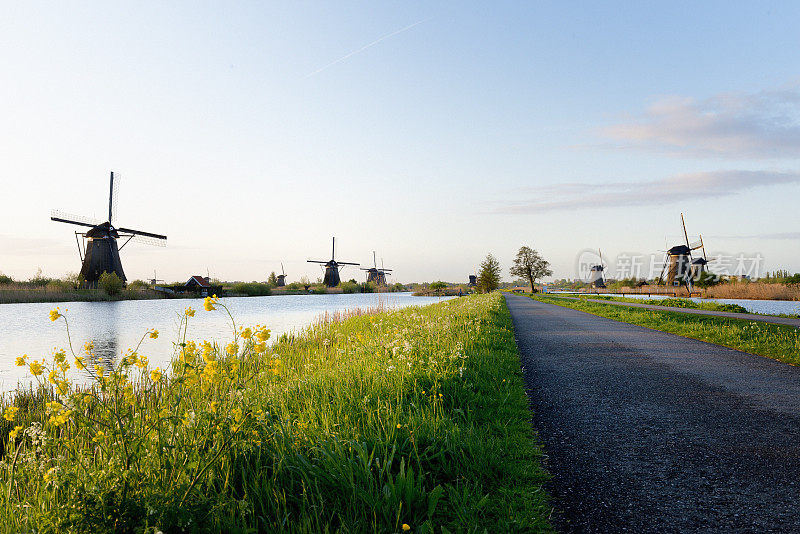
(347, 263)
(113, 198)
(141, 233)
(384, 270)
(317, 261)
(146, 240)
(68, 218)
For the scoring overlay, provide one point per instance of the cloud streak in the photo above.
(673, 189)
(373, 43)
(759, 125)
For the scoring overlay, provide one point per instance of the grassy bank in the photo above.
(12, 296)
(772, 341)
(674, 302)
(408, 421)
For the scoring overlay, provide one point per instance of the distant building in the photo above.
(199, 284)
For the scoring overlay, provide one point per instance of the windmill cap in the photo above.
(679, 250)
(102, 230)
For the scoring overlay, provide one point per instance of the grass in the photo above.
(675, 303)
(10, 294)
(770, 340)
(754, 290)
(408, 421)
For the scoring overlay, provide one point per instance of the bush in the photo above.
(38, 280)
(251, 289)
(398, 287)
(4, 279)
(294, 286)
(349, 287)
(138, 285)
(59, 286)
(110, 283)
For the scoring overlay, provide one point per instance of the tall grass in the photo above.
(754, 290)
(412, 420)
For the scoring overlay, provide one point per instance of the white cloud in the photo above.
(657, 192)
(758, 125)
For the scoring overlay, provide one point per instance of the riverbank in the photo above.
(414, 417)
(17, 296)
(774, 341)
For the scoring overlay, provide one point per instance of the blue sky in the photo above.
(250, 133)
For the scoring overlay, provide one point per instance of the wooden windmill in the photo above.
(281, 278)
(596, 274)
(100, 252)
(678, 263)
(332, 267)
(375, 275)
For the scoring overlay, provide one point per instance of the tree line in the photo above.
(528, 265)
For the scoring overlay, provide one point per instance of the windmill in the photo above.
(596, 274)
(679, 264)
(281, 278)
(155, 280)
(375, 275)
(332, 267)
(100, 252)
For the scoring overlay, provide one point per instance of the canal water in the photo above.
(114, 327)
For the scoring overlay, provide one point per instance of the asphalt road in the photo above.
(789, 321)
(650, 432)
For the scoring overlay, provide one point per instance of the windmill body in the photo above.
(680, 267)
(596, 274)
(101, 249)
(331, 278)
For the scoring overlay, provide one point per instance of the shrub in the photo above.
(252, 289)
(110, 283)
(349, 287)
(4, 279)
(138, 285)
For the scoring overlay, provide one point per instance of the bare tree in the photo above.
(529, 265)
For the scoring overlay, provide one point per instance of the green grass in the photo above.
(675, 303)
(770, 340)
(415, 417)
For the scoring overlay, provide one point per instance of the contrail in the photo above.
(373, 43)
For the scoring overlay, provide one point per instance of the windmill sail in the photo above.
(331, 278)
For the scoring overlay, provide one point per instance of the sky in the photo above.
(250, 133)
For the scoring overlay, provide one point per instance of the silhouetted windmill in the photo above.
(332, 267)
(101, 253)
(375, 275)
(281, 278)
(596, 274)
(154, 280)
(678, 263)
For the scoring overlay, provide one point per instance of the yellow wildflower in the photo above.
(189, 312)
(53, 406)
(62, 386)
(13, 433)
(141, 362)
(52, 376)
(164, 413)
(100, 436)
(232, 349)
(36, 368)
(10, 413)
(22, 360)
(208, 303)
(406, 527)
(99, 370)
(213, 406)
(247, 333)
(399, 425)
(88, 347)
(54, 314)
(80, 363)
(155, 374)
(60, 356)
(263, 334)
(154, 334)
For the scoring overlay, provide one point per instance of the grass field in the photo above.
(408, 421)
(770, 340)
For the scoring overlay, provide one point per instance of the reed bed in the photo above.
(754, 291)
(13, 295)
(408, 421)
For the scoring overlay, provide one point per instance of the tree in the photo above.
(438, 286)
(530, 266)
(272, 280)
(489, 274)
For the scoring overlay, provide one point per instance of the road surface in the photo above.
(646, 431)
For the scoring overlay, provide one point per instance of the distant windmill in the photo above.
(473, 280)
(101, 253)
(596, 274)
(281, 278)
(154, 280)
(678, 263)
(375, 275)
(332, 267)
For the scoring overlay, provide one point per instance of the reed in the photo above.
(410, 420)
(754, 290)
